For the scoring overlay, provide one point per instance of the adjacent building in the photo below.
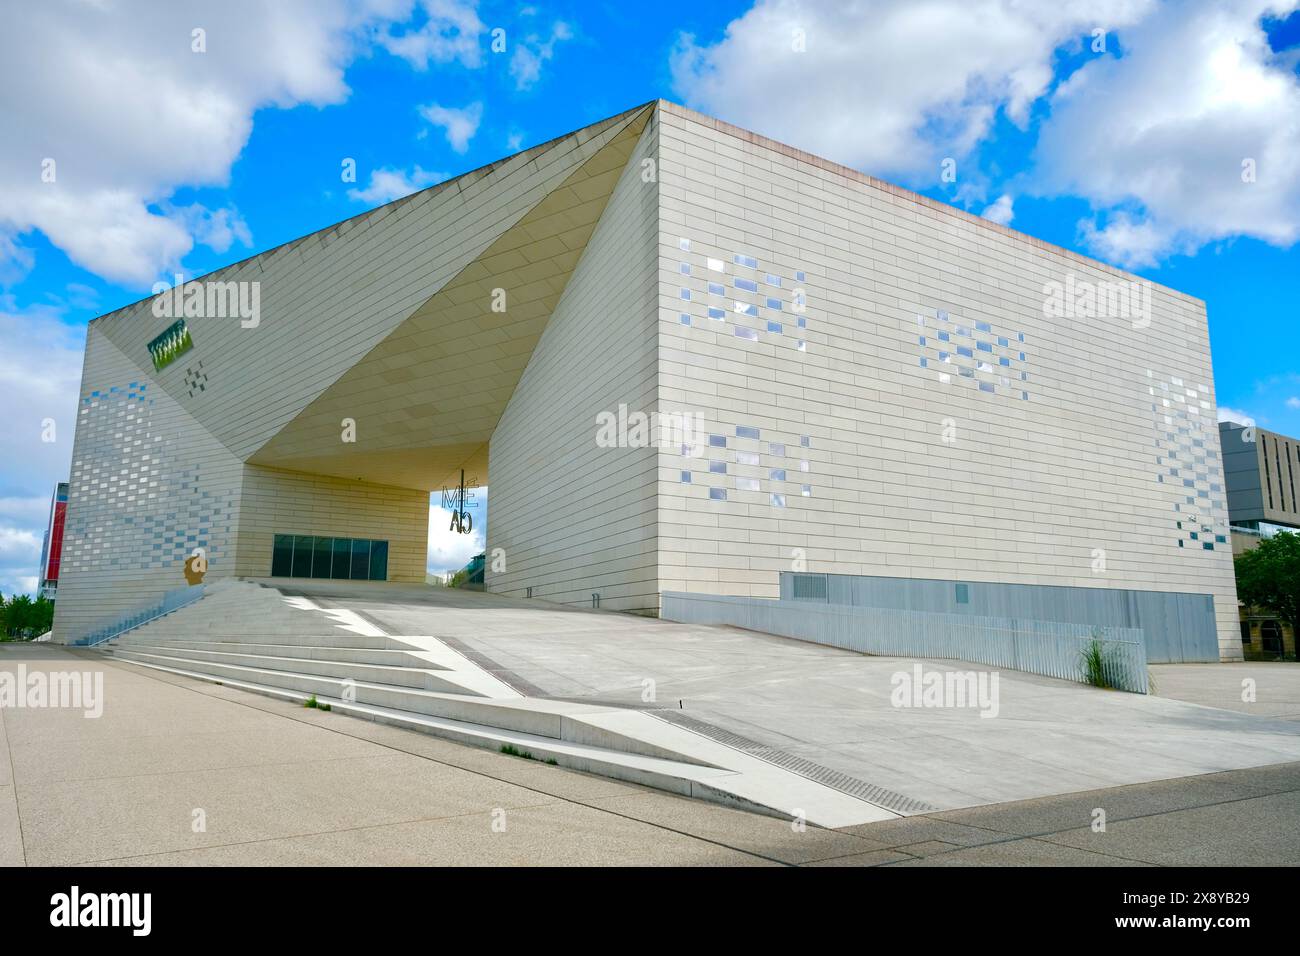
(52, 545)
(682, 357)
(1261, 469)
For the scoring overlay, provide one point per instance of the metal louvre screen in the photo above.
(1038, 647)
(809, 587)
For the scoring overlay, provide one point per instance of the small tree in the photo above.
(1268, 576)
(42, 615)
(18, 615)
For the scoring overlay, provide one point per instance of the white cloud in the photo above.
(887, 86)
(16, 260)
(116, 97)
(108, 232)
(40, 378)
(450, 32)
(218, 229)
(532, 52)
(1227, 414)
(1153, 131)
(1293, 402)
(20, 555)
(460, 124)
(1156, 139)
(14, 539)
(1127, 240)
(25, 512)
(1000, 210)
(388, 184)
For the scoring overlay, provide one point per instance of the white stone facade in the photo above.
(871, 382)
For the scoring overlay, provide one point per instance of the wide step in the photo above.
(559, 720)
(320, 652)
(687, 779)
(250, 636)
(303, 675)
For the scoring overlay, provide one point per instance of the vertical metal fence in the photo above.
(1050, 648)
(173, 600)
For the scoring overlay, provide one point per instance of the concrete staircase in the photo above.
(254, 637)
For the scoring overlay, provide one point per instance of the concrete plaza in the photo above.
(832, 708)
(280, 784)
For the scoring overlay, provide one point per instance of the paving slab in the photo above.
(763, 835)
(247, 803)
(1186, 837)
(11, 837)
(1023, 852)
(1270, 688)
(285, 784)
(913, 830)
(553, 835)
(1139, 800)
(870, 858)
(1237, 818)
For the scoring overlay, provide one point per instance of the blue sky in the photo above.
(1130, 153)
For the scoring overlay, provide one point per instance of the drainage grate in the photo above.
(881, 797)
(503, 674)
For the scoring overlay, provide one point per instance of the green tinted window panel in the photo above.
(360, 560)
(302, 548)
(379, 560)
(170, 345)
(342, 568)
(321, 560)
(340, 559)
(282, 556)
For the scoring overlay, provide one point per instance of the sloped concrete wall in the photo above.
(571, 518)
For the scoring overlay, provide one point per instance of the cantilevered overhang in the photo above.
(387, 319)
(426, 398)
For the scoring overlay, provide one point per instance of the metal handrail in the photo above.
(173, 600)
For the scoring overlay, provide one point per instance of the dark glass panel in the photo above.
(360, 560)
(320, 567)
(342, 559)
(379, 560)
(282, 556)
(302, 547)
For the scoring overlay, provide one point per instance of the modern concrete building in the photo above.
(52, 544)
(850, 379)
(1260, 468)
